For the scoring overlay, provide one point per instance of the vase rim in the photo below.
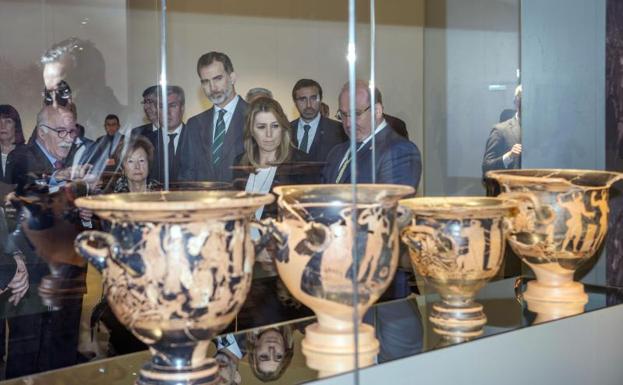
(170, 201)
(555, 176)
(392, 190)
(458, 204)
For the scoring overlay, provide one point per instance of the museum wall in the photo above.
(471, 58)
(563, 71)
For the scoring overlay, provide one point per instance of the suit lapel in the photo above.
(314, 148)
(294, 126)
(205, 132)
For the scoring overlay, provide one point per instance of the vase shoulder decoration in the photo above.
(457, 245)
(176, 268)
(328, 241)
(562, 222)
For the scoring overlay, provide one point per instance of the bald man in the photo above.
(56, 130)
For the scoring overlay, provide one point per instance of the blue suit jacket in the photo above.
(198, 164)
(328, 134)
(398, 161)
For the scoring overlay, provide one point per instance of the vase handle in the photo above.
(96, 255)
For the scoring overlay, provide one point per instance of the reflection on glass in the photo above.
(270, 352)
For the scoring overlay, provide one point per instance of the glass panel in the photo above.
(70, 89)
(505, 312)
(471, 66)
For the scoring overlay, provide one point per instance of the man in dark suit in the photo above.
(55, 132)
(503, 149)
(43, 340)
(216, 135)
(398, 160)
(313, 133)
(176, 141)
(150, 107)
(103, 151)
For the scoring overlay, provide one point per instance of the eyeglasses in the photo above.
(62, 93)
(62, 132)
(340, 115)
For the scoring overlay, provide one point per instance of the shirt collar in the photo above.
(312, 123)
(47, 154)
(376, 132)
(229, 107)
(177, 131)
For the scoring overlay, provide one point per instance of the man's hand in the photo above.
(515, 152)
(19, 284)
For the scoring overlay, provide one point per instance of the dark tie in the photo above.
(171, 151)
(219, 137)
(58, 164)
(111, 140)
(303, 146)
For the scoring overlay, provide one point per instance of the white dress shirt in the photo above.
(230, 108)
(300, 131)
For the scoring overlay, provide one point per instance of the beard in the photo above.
(309, 113)
(219, 97)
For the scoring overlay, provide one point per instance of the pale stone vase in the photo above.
(323, 245)
(177, 268)
(562, 222)
(457, 245)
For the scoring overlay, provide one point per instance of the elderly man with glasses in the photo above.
(397, 160)
(55, 133)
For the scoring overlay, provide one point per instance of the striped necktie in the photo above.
(343, 167)
(219, 137)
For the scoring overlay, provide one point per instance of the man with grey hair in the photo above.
(55, 133)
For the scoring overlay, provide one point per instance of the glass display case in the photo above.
(292, 191)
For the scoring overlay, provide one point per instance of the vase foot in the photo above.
(332, 352)
(458, 323)
(205, 374)
(570, 292)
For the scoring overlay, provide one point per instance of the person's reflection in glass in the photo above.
(270, 352)
(503, 148)
(228, 368)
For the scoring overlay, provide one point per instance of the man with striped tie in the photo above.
(397, 160)
(216, 134)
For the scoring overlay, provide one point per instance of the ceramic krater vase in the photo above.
(562, 222)
(176, 268)
(324, 248)
(457, 244)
